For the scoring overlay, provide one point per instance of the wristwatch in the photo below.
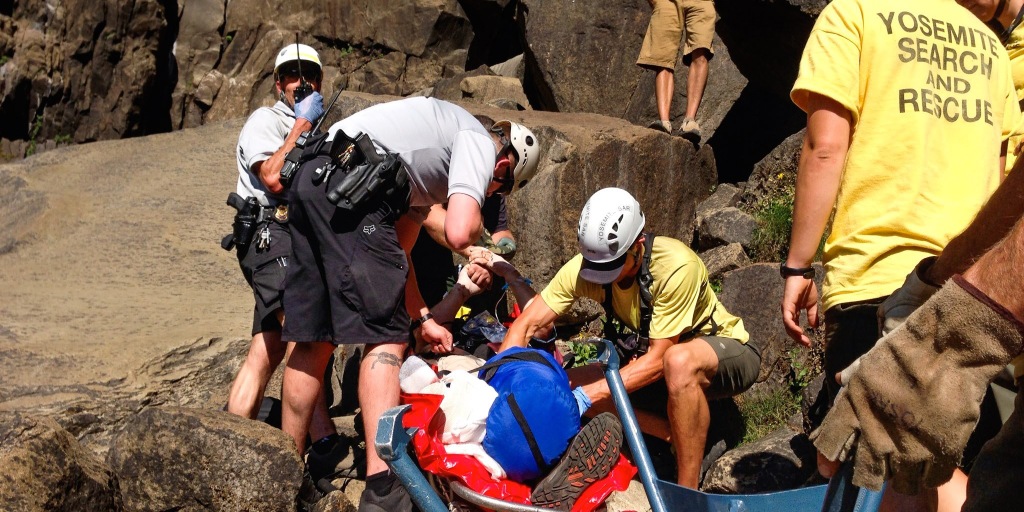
(415, 324)
(805, 272)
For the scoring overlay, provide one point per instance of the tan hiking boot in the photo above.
(690, 130)
(661, 125)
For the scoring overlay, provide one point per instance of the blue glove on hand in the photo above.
(310, 108)
(506, 246)
(582, 400)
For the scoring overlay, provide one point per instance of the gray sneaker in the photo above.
(661, 125)
(690, 130)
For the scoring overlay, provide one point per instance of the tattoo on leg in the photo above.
(386, 358)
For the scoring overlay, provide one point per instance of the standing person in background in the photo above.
(905, 161)
(671, 20)
(266, 138)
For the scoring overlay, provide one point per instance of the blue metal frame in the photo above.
(392, 445)
(839, 496)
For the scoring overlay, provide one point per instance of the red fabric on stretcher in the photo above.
(433, 458)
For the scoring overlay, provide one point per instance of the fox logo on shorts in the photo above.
(369, 229)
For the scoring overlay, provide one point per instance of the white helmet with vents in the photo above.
(520, 140)
(610, 223)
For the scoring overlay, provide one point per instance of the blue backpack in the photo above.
(535, 416)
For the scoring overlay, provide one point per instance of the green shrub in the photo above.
(774, 218)
(765, 412)
(33, 134)
(584, 352)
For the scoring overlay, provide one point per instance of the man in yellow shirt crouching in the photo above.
(690, 348)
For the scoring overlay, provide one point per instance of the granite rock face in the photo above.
(189, 459)
(45, 468)
(85, 71)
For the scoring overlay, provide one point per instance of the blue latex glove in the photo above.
(310, 108)
(582, 400)
(506, 246)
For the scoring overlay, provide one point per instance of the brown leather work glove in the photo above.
(914, 402)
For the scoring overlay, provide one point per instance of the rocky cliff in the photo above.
(81, 71)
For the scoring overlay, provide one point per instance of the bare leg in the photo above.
(378, 392)
(696, 80)
(265, 352)
(664, 84)
(688, 369)
(321, 424)
(303, 387)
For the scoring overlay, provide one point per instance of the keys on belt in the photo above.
(263, 239)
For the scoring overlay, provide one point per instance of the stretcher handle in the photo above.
(392, 444)
(609, 359)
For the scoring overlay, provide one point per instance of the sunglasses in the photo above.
(309, 75)
(509, 180)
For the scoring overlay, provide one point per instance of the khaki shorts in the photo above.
(739, 365)
(668, 22)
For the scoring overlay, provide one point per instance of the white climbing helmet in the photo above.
(609, 224)
(524, 143)
(294, 52)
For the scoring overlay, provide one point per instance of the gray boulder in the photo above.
(46, 469)
(724, 196)
(754, 293)
(781, 460)
(775, 175)
(494, 90)
(722, 259)
(726, 226)
(194, 459)
(514, 67)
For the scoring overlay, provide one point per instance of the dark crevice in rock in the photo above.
(758, 122)
(15, 113)
(156, 107)
(534, 86)
(767, 56)
(495, 36)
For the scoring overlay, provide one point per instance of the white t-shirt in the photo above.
(263, 134)
(447, 150)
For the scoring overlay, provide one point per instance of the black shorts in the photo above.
(264, 270)
(851, 329)
(346, 277)
(738, 367)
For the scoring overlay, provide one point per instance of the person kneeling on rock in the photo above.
(686, 348)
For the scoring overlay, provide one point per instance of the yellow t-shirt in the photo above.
(1015, 48)
(931, 97)
(682, 296)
